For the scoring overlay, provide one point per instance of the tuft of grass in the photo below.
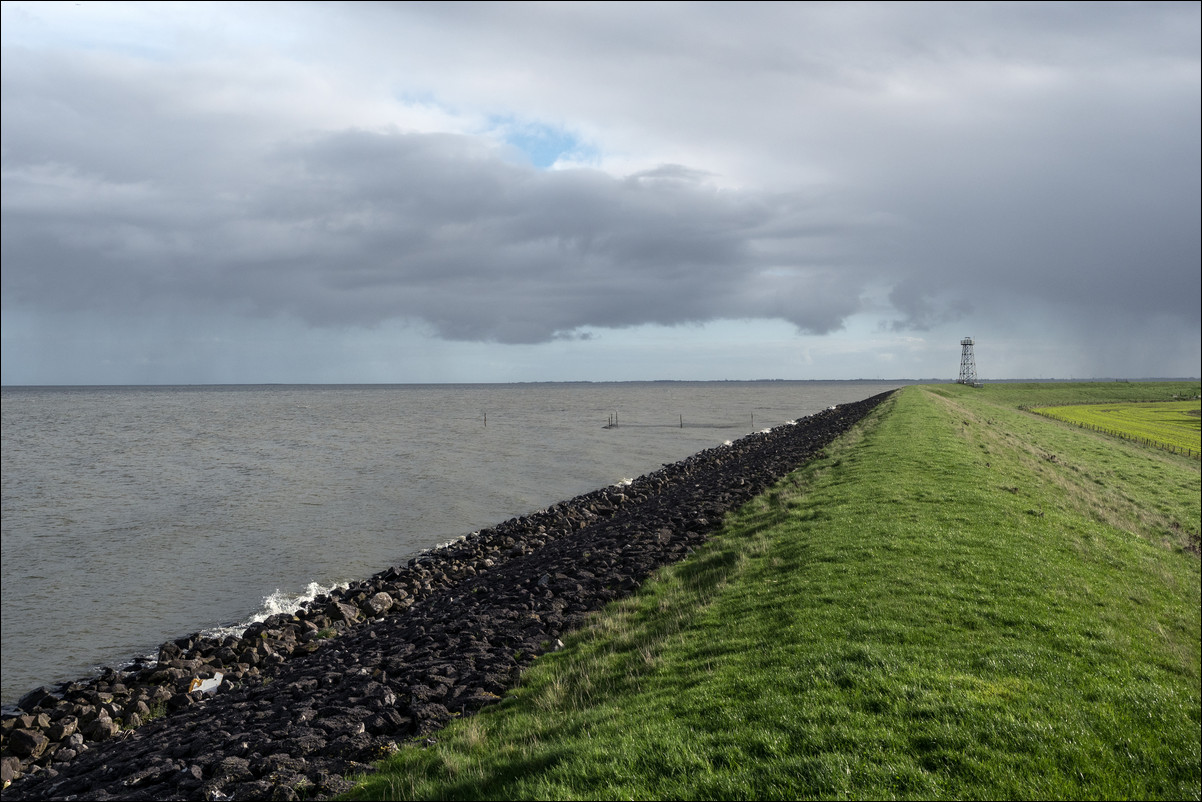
(947, 605)
(156, 710)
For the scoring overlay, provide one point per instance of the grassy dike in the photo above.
(961, 600)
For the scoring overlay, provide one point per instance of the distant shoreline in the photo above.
(384, 385)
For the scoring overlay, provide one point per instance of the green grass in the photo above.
(962, 600)
(1059, 393)
(1173, 425)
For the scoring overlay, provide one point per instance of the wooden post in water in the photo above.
(682, 421)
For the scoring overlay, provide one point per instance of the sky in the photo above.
(199, 193)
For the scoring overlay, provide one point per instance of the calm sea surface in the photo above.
(136, 515)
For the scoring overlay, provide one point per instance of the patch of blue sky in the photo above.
(542, 144)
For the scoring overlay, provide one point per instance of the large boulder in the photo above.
(377, 605)
(10, 769)
(37, 698)
(340, 611)
(64, 728)
(27, 743)
(102, 728)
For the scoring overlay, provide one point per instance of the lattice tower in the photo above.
(968, 364)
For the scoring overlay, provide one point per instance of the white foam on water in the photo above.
(273, 604)
(623, 483)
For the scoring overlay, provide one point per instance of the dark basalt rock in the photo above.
(443, 635)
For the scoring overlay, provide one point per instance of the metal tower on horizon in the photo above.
(968, 364)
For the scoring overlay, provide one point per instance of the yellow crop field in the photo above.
(1171, 425)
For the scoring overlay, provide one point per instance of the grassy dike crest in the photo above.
(961, 600)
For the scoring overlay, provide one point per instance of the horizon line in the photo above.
(926, 380)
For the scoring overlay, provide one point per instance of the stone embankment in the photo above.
(306, 698)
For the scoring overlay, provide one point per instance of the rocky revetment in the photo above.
(303, 699)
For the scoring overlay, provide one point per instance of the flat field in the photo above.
(960, 600)
(1173, 425)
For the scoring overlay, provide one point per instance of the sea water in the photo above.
(134, 515)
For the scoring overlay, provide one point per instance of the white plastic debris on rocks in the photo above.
(206, 686)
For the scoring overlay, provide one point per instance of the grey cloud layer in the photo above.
(973, 159)
(354, 228)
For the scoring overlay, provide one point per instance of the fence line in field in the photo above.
(1189, 452)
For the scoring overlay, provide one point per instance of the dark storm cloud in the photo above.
(354, 228)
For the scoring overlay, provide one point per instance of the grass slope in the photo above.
(962, 600)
